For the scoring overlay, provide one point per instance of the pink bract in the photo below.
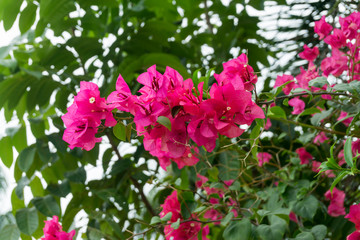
(354, 215)
(53, 231)
(336, 207)
(322, 28)
(280, 80)
(309, 54)
(263, 157)
(304, 155)
(298, 105)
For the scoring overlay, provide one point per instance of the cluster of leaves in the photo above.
(100, 39)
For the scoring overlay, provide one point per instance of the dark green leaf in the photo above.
(319, 232)
(238, 230)
(47, 205)
(10, 232)
(27, 220)
(26, 158)
(77, 176)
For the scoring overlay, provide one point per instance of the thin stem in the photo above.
(305, 93)
(310, 126)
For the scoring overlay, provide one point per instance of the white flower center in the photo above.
(189, 155)
(192, 225)
(92, 100)
(228, 108)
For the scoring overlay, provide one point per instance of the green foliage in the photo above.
(98, 40)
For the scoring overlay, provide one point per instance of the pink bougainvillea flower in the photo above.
(298, 105)
(122, 98)
(355, 147)
(304, 155)
(155, 86)
(354, 236)
(293, 217)
(263, 157)
(350, 25)
(336, 207)
(322, 28)
(346, 121)
(305, 76)
(201, 181)
(309, 54)
(213, 214)
(81, 133)
(320, 138)
(53, 231)
(341, 158)
(239, 73)
(335, 65)
(268, 124)
(90, 104)
(280, 80)
(337, 39)
(186, 231)
(354, 215)
(171, 204)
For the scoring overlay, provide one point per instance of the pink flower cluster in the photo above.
(345, 45)
(53, 231)
(263, 157)
(84, 117)
(191, 116)
(212, 213)
(354, 216)
(187, 230)
(336, 207)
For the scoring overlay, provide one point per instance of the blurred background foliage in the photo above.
(64, 42)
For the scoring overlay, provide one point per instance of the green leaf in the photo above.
(10, 232)
(119, 131)
(167, 217)
(238, 230)
(277, 112)
(348, 153)
(11, 10)
(27, 17)
(164, 121)
(37, 126)
(319, 232)
(77, 176)
(176, 224)
(339, 177)
(229, 165)
(26, 158)
(27, 220)
(60, 190)
(155, 220)
(227, 219)
(315, 120)
(254, 136)
(19, 189)
(318, 82)
(304, 236)
(36, 187)
(47, 205)
(6, 153)
(307, 207)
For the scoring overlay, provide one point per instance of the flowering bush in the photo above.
(213, 157)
